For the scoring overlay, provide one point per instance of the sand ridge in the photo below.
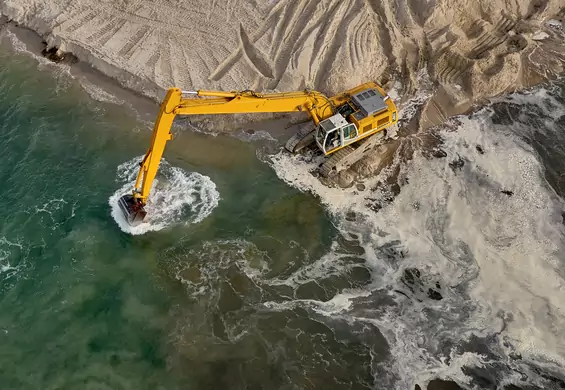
(289, 44)
(459, 51)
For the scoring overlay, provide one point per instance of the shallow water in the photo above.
(255, 275)
(85, 303)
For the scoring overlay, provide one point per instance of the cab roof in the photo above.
(337, 120)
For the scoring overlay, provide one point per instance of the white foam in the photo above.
(99, 94)
(206, 275)
(176, 197)
(260, 135)
(17, 45)
(62, 72)
(6, 252)
(408, 109)
(55, 212)
(456, 224)
(296, 170)
(556, 24)
(13, 261)
(540, 97)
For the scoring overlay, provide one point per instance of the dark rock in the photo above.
(507, 192)
(401, 293)
(411, 274)
(517, 43)
(515, 356)
(345, 179)
(56, 55)
(376, 207)
(438, 384)
(457, 164)
(438, 153)
(480, 149)
(512, 387)
(435, 295)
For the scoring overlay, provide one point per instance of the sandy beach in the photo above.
(437, 59)
(463, 52)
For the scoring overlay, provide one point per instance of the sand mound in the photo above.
(459, 50)
(478, 47)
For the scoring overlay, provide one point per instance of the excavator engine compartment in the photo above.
(132, 209)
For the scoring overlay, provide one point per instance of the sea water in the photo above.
(251, 274)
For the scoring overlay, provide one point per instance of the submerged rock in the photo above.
(457, 164)
(419, 286)
(57, 55)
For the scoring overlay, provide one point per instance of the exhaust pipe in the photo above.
(132, 209)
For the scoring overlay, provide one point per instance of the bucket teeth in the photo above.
(132, 209)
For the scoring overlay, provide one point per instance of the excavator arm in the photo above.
(317, 105)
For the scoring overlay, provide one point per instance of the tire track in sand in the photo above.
(225, 66)
(340, 36)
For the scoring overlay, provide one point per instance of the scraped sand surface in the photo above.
(290, 44)
(459, 51)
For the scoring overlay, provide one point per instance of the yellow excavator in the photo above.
(342, 123)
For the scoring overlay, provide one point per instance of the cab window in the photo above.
(333, 140)
(349, 132)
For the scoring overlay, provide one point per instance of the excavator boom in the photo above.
(314, 103)
(343, 122)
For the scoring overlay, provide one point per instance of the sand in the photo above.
(460, 52)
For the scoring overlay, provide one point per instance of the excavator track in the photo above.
(300, 140)
(344, 157)
(331, 164)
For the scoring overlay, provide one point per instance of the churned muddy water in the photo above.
(252, 275)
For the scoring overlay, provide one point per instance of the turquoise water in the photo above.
(85, 305)
(446, 265)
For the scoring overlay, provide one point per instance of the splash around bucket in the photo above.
(177, 197)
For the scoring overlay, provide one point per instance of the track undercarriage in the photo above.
(339, 160)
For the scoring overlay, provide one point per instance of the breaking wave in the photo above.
(466, 248)
(99, 94)
(176, 197)
(61, 72)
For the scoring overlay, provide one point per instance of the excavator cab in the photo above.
(360, 114)
(334, 133)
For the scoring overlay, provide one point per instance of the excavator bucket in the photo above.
(132, 209)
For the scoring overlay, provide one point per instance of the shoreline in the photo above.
(147, 94)
(430, 97)
(144, 107)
